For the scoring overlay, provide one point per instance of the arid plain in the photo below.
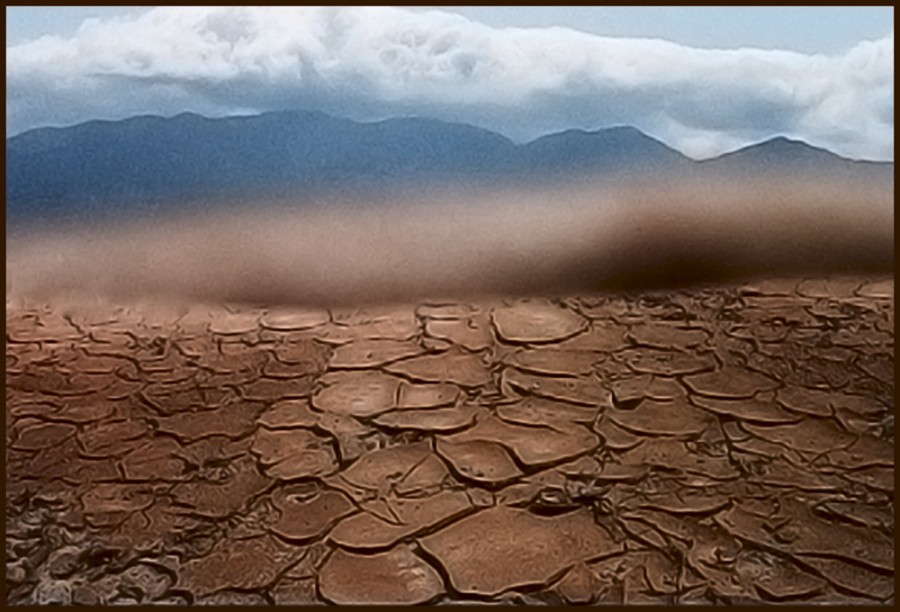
(268, 407)
(723, 444)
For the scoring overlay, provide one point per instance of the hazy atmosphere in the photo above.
(655, 235)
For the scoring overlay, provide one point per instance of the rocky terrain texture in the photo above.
(720, 445)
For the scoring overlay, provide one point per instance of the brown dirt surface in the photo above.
(728, 444)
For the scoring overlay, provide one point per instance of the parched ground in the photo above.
(720, 445)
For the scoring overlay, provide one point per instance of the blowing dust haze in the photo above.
(552, 242)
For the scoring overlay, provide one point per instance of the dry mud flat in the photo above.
(728, 444)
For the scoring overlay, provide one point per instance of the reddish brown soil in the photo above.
(728, 444)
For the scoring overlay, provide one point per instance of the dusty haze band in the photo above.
(557, 241)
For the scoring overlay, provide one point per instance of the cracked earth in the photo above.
(728, 444)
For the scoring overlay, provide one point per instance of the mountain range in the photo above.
(141, 163)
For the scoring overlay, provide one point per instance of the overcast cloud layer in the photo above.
(376, 62)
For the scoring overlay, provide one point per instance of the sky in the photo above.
(825, 29)
(704, 80)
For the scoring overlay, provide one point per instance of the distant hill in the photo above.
(121, 167)
(782, 154)
(617, 149)
(98, 165)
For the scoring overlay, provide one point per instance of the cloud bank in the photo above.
(376, 62)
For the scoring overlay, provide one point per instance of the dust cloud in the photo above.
(650, 236)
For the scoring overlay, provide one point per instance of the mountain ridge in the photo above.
(777, 139)
(103, 166)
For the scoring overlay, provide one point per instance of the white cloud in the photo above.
(373, 62)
